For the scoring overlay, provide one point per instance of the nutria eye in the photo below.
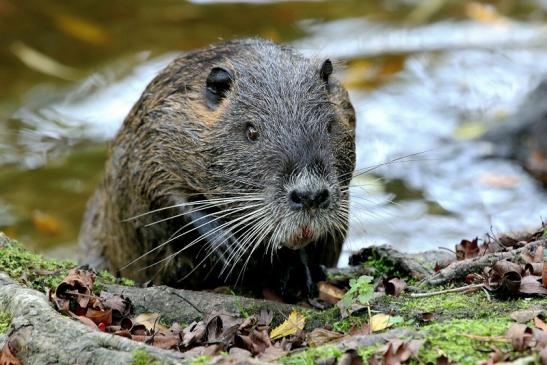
(252, 133)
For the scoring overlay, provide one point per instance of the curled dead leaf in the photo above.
(76, 285)
(395, 286)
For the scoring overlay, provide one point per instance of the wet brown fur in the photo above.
(142, 173)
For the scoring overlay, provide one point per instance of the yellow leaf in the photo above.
(81, 29)
(379, 322)
(292, 325)
(470, 130)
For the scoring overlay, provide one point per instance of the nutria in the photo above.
(233, 167)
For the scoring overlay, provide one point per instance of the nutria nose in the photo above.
(309, 199)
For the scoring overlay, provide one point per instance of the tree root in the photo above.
(40, 335)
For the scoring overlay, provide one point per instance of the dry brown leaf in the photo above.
(76, 285)
(533, 254)
(320, 336)
(398, 351)
(7, 357)
(467, 249)
(46, 223)
(531, 285)
(330, 293)
(521, 337)
(540, 324)
(150, 321)
(160, 341)
(395, 286)
(193, 333)
(534, 268)
(100, 316)
(120, 305)
(524, 315)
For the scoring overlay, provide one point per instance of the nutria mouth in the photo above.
(236, 159)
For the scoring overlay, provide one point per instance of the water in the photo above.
(427, 78)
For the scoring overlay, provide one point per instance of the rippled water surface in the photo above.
(427, 79)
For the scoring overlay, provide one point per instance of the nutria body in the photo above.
(241, 156)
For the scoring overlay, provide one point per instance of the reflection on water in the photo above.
(425, 83)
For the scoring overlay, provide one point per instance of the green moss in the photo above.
(312, 355)
(39, 273)
(384, 267)
(31, 269)
(141, 357)
(458, 305)
(200, 360)
(5, 321)
(344, 325)
(367, 352)
(449, 338)
(104, 278)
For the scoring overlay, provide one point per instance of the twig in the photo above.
(487, 338)
(453, 290)
(459, 269)
(487, 295)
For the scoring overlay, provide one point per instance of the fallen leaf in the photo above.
(150, 321)
(193, 333)
(81, 29)
(398, 351)
(531, 285)
(330, 293)
(534, 254)
(76, 285)
(521, 337)
(395, 286)
(320, 336)
(7, 357)
(540, 324)
(534, 268)
(381, 321)
(427, 316)
(100, 316)
(525, 315)
(467, 249)
(46, 223)
(291, 326)
(120, 305)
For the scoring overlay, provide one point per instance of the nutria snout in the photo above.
(235, 162)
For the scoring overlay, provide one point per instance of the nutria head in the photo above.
(252, 144)
(257, 134)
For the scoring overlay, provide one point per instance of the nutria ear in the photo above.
(217, 84)
(326, 70)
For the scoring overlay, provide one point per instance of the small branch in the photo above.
(459, 269)
(453, 290)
